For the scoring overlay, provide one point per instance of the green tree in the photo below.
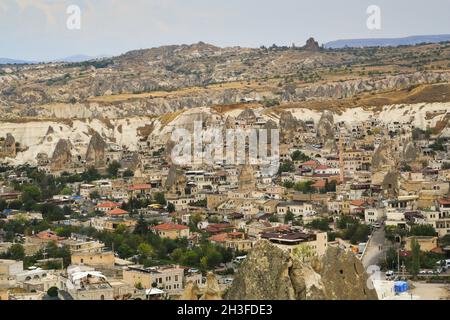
(204, 263)
(52, 212)
(358, 233)
(91, 174)
(128, 173)
(145, 250)
(125, 251)
(304, 186)
(422, 230)
(288, 184)
(31, 193)
(415, 257)
(16, 252)
(286, 166)
(289, 217)
(319, 224)
(3, 204)
(160, 198)
(330, 186)
(170, 207)
(391, 259)
(196, 218)
(66, 191)
(297, 155)
(113, 169)
(15, 205)
(438, 145)
(406, 168)
(141, 227)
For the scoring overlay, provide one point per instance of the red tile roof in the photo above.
(49, 235)
(357, 203)
(444, 201)
(310, 163)
(213, 228)
(221, 237)
(116, 212)
(108, 205)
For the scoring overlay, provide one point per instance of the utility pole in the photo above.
(341, 156)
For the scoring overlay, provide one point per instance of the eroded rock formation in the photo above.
(210, 292)
(289, 124)
(61, 155)
(326, 132)
(384, 156)
(311, 45)
(95, 154)
(270, 273)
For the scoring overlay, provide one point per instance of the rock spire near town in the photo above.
(270, 273)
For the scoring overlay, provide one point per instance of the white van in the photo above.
(239, 259)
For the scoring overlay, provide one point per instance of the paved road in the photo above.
(373, 252)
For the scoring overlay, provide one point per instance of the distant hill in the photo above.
(12, 61)
(386, 42)
(70, 59)
(80, 58)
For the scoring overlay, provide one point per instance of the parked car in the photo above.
(444, 263)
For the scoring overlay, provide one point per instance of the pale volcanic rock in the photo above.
(270, 273)
(95, 154)
(61, 155)
(326, 132)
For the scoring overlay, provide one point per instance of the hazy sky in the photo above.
(36, 29)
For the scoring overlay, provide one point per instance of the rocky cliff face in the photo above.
(8, 149)
(151, 105)
(384, 156)
(289, 124)
(326, 132)
(270, 273)
(349, 88)
(95, 154)
(210, 292)
(40, 137)
(61, 155)
(311, 45)
(160, 80)
(410, 152)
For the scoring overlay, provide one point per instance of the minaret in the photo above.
(341, 157)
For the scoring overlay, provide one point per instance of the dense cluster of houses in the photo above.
(238, 205)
